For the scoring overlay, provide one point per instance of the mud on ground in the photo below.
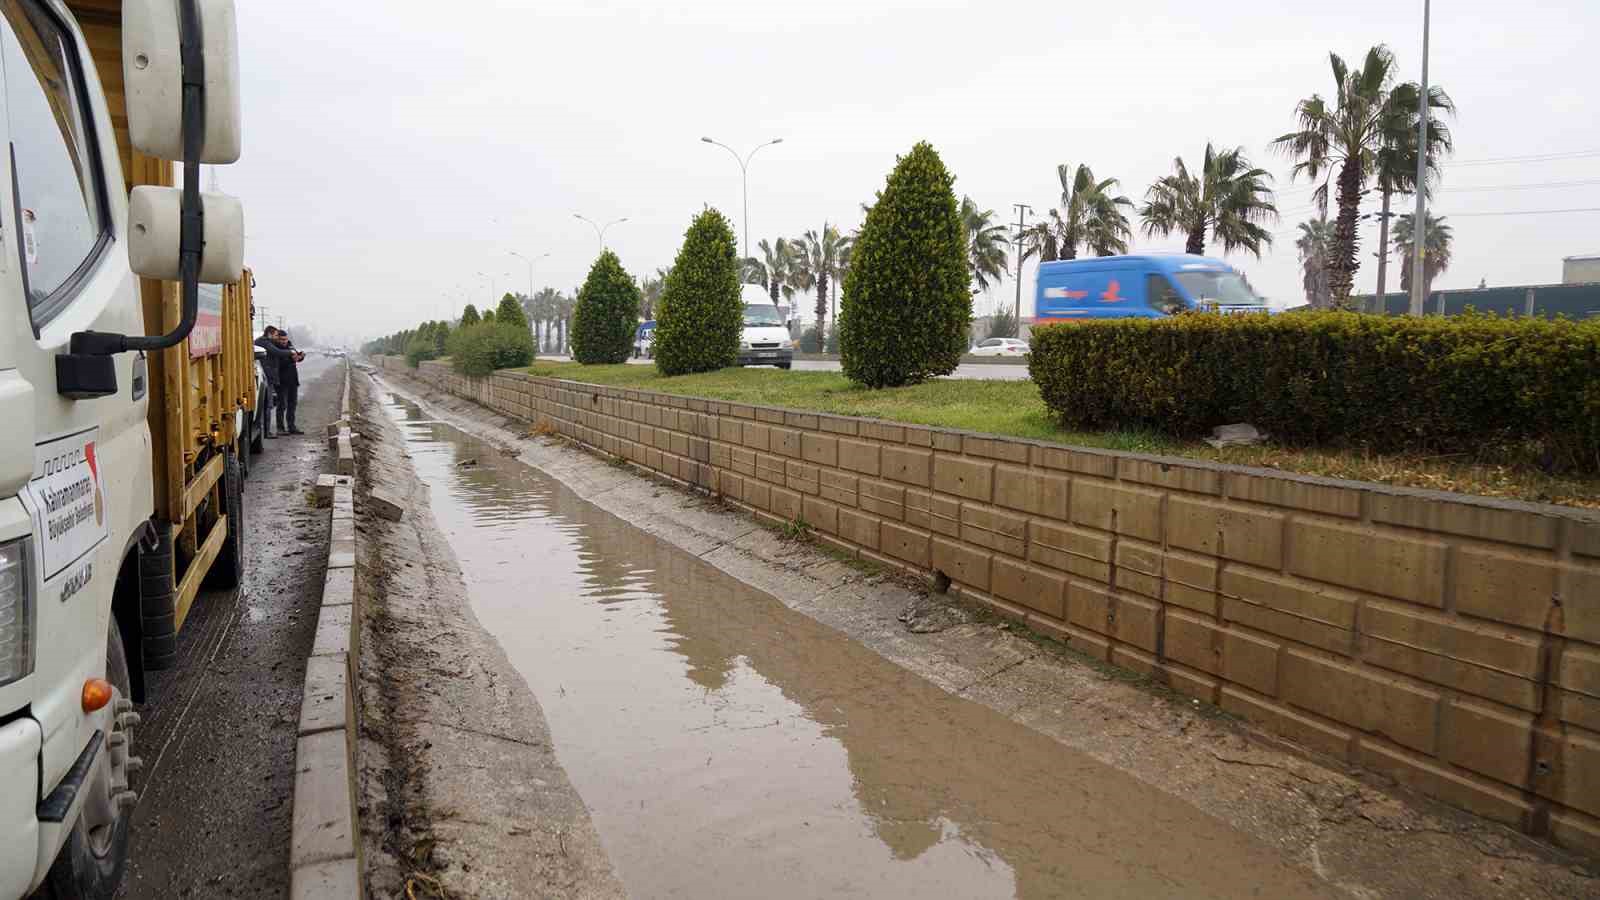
(1358, 832)
(460, 793)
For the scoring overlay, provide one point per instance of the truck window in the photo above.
(60, 198)
(1162, 296)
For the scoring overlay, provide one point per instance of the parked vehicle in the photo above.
(121, 465)
(765, 340)
(1145, 286)
(1000, 347)
(644, 340)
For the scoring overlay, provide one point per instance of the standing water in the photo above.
(727, 746)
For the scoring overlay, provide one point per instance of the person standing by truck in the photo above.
(288, 383)
(275, 354)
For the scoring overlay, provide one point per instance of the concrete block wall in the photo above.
(1450, 642)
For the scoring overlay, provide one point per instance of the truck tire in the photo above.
(158, 600)
(244, 453)
(258, 440)
(227, 570)
(91, 862)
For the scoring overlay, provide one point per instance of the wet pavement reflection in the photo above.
(727, 746)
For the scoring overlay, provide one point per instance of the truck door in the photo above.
(62, 229)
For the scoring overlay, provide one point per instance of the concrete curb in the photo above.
(324, 844)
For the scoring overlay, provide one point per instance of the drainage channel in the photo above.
(727, 746)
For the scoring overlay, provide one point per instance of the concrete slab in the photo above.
(337, 879)
(342, 555)
(323, 828)
(324, 489)
(339, 587)
(386, 505)
(333, 632)
(323, 706)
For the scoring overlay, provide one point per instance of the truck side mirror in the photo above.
(152, 71)
(155, 220)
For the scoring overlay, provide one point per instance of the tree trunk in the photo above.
(822, 310)
(772, 291)
(1197, 241)
(1383, 254)
(1342, 261)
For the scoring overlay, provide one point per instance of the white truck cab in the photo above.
(77, 482)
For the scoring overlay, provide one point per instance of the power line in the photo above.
(1522, 187)
(1528, 212)
(1531, 158)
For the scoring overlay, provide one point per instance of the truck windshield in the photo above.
(1219, 287)
(757, 314)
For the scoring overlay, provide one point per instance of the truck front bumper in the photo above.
(20, 744)
(782, 356)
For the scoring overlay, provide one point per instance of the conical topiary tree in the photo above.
(906, 300)
(606, 317)
(469, 316)
(488, 315)
(700, 314)
(509, 312)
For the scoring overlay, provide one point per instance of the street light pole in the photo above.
(744, 176)
(1023, 210)
(600, 230)
(530, 268)
(1419, 226)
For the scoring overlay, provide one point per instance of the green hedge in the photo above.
(700, 316)
(903, 314)
(607, 315)
(480, 349)
(1475, 385)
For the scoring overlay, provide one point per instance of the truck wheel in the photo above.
(90, 864)
(227, 570)
(244, 457)
(257, 436)
(158, 601)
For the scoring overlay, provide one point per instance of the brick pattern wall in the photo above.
(1450, 642)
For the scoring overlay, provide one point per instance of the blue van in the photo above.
(1144, 286)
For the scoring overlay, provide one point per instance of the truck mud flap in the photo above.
(158, 590)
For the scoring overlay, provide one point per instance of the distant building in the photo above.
(1580, 269)
(1574, 301)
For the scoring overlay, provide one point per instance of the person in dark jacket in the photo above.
(288, 383)
(269, 367)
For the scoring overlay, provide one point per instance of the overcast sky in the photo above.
(396, 148)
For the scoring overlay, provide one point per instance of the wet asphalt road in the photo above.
(218, 737)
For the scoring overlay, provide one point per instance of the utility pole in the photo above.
(600, 230)
(1419, 226)
(1023, 210)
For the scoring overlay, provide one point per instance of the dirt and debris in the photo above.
(219, 729)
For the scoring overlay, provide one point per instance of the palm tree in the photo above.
(1090, 215)
(1435, 249)
(1397, 160)
(541, 312)
(650, 288)
(1228, 198)
(819, 260)
(1042, 239)
(986, 244)
(771, 269)
(1316, 237)
(1347, 142)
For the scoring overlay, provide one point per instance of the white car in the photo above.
(1001, 347)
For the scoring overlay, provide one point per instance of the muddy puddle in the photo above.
(730, 747)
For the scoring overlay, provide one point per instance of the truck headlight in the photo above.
(16, 612)
(744, 345)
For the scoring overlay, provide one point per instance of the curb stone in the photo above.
(324, 850)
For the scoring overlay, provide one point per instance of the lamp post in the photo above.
(744, 175)
(490, 278)
(1419, 225)
(600, 230)
(530, 263)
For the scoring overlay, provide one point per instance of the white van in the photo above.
(765, 340)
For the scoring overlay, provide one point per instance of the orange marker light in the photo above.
(96, 694)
